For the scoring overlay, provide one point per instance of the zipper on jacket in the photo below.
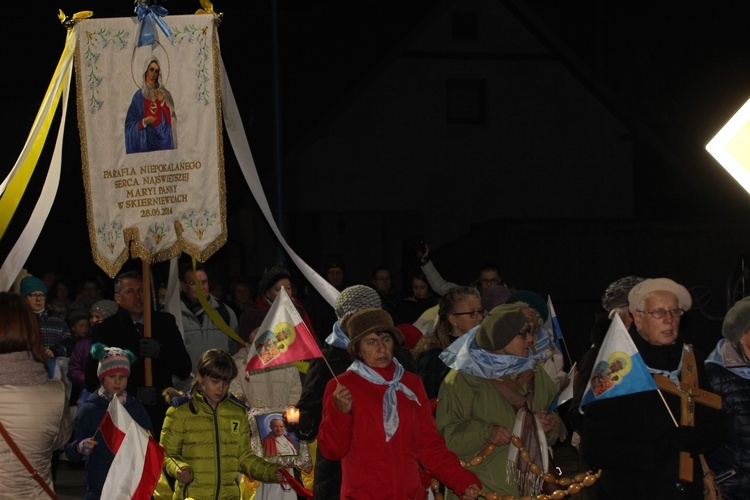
(218, 453)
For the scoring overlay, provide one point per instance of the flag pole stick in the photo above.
(565, 345)
(331, 369)
(668, 408)
(146, 285)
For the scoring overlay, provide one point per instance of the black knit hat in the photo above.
(271, 277)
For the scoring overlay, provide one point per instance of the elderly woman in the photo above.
(494, 390)
(377, 421)
(33, 409)
(460, 311)
(728, 370)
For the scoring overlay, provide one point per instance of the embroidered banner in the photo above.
(151, 138)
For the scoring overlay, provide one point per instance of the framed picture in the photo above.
(272, 441)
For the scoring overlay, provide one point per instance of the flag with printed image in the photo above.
(282, 337)
(138, 456)
(619, 369)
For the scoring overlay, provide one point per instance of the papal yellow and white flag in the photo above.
(149, 114)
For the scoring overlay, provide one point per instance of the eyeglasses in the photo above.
(36, 296)
(490, 282)
(478, 313)
(660, 313)
(525, 332)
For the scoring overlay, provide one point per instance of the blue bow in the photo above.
(148, 15)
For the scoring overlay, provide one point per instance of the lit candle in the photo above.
(292, 415)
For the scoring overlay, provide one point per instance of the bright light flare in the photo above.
(731, 146)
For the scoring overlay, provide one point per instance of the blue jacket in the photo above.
(86, 426)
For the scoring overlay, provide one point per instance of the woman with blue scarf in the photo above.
(494, 390)
(377, 421)
(728, 370)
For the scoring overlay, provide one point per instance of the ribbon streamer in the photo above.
(17, 180)
(213, 313)
(241, 148)
(296, 486)
(148, 15)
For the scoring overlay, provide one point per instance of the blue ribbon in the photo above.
(148, 15)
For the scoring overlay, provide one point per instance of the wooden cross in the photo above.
(689, 394)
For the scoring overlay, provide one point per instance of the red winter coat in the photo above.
(374, 468)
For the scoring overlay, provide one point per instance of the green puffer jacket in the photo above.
(215, 444)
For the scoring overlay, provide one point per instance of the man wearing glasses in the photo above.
(634, 439)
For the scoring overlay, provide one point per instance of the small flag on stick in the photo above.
(136, 452)
(619, 369)
(282, 337)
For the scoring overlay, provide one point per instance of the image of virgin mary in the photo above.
(149, 124)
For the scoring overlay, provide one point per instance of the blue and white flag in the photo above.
(556, 331)
(619, 369)
(567, 393)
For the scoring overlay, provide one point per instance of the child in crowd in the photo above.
(101, 310)
(209, 427)
(113, 371)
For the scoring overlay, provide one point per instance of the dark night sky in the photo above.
(682, 66)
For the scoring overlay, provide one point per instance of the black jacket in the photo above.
(119, 331)
(634, 440)
(734, 452)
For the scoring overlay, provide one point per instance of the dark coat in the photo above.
(734, 453)
(86, 426)
(635, 442)
(119, 331)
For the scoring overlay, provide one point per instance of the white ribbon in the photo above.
(236, 133)
(20, 252)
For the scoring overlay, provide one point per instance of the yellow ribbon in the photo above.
(34, 143)
(212, 313)
(69, 22)
(208, 7)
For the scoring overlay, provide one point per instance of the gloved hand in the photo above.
(148, 395)
(149, 348)
(86, 446)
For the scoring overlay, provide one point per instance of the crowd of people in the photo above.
(454, 391)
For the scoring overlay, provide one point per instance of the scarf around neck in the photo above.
(662, 359)
(123, 396)
(725, 355)
(390, 403)
(466, 356)
(338, 338)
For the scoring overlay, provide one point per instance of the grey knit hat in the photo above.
(355, 298)
(737, 321)
(104, 307)
(616, 294)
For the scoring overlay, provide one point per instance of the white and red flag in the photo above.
(282, 337)
(138, 456)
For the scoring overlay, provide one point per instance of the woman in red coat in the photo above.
(377, 421)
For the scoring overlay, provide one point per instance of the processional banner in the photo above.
(149, 115)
